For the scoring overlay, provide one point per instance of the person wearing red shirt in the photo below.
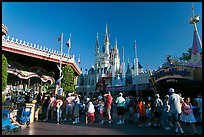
(108, 104)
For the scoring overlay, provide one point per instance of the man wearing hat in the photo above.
(120, 101)
(175, 109)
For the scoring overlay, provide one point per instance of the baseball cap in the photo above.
(167, 96)
(157, 95)
(69, 94)
(171, 90)
(121, 94)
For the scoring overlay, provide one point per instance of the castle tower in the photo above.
(106, 41)
(105, 51)
(116, 58)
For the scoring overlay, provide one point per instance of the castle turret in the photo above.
(105, 51)
(106, 41)
(116, 58)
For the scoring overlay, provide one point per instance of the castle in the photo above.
(109, 67)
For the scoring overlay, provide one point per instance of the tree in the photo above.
(186, 56)
(68, 79)
(4, 75)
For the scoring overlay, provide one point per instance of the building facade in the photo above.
(31, 66)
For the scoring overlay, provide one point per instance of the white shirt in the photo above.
(120, 101)
(175, 103)
(91, 108)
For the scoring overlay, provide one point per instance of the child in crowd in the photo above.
(101, 110)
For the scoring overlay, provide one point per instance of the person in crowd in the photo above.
(34, 101)
(76, 102)
(86, 110)
(175, 109)
(142, 112)
(91, 112)
(59, 104)
(96, 107)
(199, 100)
(158, 105)
(12, 117)
(108, 105)
(130, 107)
(120, 101)
(27, 97)
(51, 106)
(126, 107)
(45, 105)
(148, 112)
(136, 111)
(166, 113)
(187, 114)
(100, 97)
(69, 107)
(101, 110)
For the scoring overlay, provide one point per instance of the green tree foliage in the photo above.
(68, 79)
(4, 74)
(186, 56)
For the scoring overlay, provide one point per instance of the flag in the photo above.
(79, 61)
(192, 7)
(60, 38)
(68, 43)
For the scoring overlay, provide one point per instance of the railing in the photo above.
(35, 46)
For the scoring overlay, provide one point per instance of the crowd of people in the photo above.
(99, 108)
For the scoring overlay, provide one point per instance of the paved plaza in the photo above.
(68, 128)
(45, 128)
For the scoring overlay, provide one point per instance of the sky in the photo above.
(159, 28)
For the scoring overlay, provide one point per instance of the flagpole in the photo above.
(61, 45)
(69, 45)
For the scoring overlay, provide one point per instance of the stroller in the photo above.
(7, 126)
(25, 116)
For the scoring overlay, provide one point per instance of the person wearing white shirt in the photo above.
(175, 109)
(120, 101)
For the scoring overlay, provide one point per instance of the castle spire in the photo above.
(106, 41)
(97, 43)
(106, 35)
(116, 43)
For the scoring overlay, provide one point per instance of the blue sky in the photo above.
(159, 28)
